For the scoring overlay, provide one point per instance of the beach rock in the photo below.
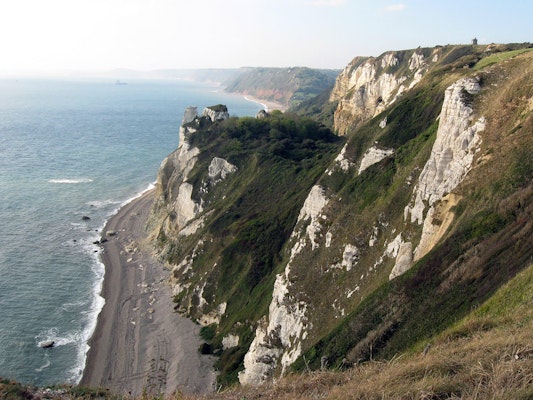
(111, 233)
(47, 344)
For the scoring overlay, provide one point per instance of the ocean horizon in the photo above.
(72, 152)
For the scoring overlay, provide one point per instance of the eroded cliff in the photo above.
(298, 249)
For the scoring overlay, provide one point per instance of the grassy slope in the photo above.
(487, 354)
(489, 242)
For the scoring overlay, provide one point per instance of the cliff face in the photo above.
(367, 86)
(304, 250)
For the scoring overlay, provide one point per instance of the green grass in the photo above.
(498, 57)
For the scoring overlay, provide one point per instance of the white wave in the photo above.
(92, 313)
(102, 203)
(70, 181)
(45, 365)
(150, 187)
(52, 334)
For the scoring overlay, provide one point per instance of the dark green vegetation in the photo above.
(288, 86)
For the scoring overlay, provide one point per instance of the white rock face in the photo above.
(190, 114)
(216, 114)
(453, 151)
(277, 341)
(389, 60)
(220, 168)
(350, 257)
(450, 161)
(432, 231)
(403, 260)
(394, 246)
(230, 341)
(362, 92)
(314, 203)
(372, 156)
(174, 171)
(416, 61)
(185, 207)
(312, 208)
(172, 188)
(341, 161)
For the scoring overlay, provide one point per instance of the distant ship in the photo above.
(118, 82)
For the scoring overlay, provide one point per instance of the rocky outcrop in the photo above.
(369, 85)
(216, 113)
(451, 158)
(372, 156)
(219, 169)
(174, 193)
(454, 149)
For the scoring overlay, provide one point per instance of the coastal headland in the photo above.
(141, 345)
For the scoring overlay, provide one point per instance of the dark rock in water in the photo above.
(85, 218)
(96, 242)
(47, 344)
(103, 240)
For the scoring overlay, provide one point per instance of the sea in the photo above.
(72, 152)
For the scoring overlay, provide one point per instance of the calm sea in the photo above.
(68, 150)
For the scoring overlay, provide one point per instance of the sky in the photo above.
(98, 35)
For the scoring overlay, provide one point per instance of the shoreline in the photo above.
(140, 345)
(268, 105)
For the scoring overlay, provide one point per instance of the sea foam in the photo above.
(70, 181)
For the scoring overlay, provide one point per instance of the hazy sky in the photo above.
(152, 34)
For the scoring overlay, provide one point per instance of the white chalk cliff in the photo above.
(369, 85)
(173, 191)
(278, 337)
(450, 161)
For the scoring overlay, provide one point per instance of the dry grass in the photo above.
(488, 355)
(486, 364)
